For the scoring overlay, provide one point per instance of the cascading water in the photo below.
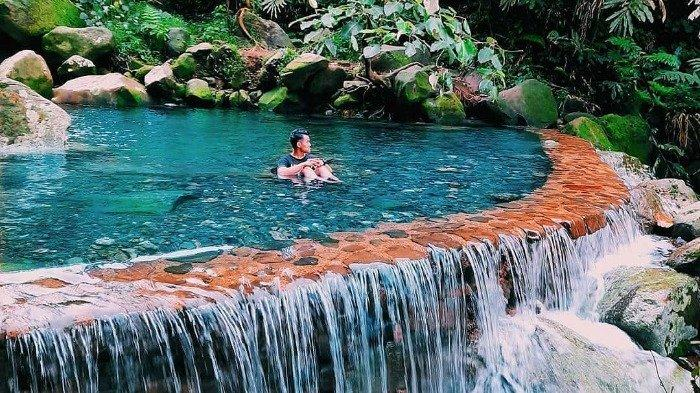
(432, 325)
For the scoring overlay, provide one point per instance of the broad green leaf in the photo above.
(327, 20)
(485, 55)
(354, 44)
(391, 7)
(410, 49)
(496, 62)
(371, 51)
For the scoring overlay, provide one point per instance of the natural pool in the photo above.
(148, 181)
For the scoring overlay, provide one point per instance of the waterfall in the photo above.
(431, 325)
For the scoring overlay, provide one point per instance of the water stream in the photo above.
(442, 324)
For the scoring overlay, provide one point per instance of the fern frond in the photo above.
(677, 77)
(273, 7)
(664, 58)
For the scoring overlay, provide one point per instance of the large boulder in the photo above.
(412, 85)
(295, 74)
(29, 68)
(160, 81)
(89, 42)
(392, 57)
(75, 67)
(445, 109)
(529, 103)
(28, 20)
(240, 99)
(176, 40)
(686, 223)
(325, 83)
(184, 66)
(628, 168)
(265, 32)
(659, 203)
(273, 98)
(629, 134)
(28, 121)
(658, 307)
(589, 130)
(686, 258)
(103, 90)
(199, 93)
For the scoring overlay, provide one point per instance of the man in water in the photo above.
(300, 164)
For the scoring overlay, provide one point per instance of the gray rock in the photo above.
(686, 224)
(160, 81)
(176, 40)
(75, 67)
(659, 202)
(199, 93)
(295, 74)
(201, 50)
(686, 258)
(30, 69)
(266, 32)
(657, 307)
(89, 42)
(412, 85)
(630, 169)
(30, 122)
(107, 90)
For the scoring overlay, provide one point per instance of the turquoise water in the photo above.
(140, 182)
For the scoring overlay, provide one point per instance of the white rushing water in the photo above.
(434, 325)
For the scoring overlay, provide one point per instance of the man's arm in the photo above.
(293, 170)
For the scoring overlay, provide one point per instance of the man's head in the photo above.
(299, 138)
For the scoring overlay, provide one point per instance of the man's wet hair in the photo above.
(297, 135)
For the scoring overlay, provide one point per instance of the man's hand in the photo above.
(314, 162)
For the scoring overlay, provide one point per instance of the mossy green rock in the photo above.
(184, 66)
(445, 109)
(142, 71)
(390, 60)
(325, 83)
(657, 307)
(29, 68)
(345, 101)
(27, 20)
(273, 98)
(575, 115)
(199, 93)
(412, 85)
(89, 42)
(589, 130)
(295, 74)
(529, 103)
(240, 99)
(629, 134)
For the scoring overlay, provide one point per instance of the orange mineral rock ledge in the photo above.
(576, 194)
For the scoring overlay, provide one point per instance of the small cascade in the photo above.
(431, 325)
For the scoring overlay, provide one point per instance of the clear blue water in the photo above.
(151, 181)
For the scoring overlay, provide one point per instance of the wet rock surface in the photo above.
(102, 90)
(659, 308)
(686, 258)
(30, 69)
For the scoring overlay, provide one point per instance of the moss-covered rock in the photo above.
(89, 42)
(273, 98)
(445, 109)
(177, 40)
(29, 121)
(529, 103)
(199, 93)
(296, 74)
(102, 90)
(345, 101)
(160, 82)
(412, 85)
(28, 20)
(390, 60)
(590, 130)
(142, 71)
(325, 83)
(629, 134)
(575, 115)
(240, 99)
(184, 66)
(657, 307)
(75, 67)
(29, 68)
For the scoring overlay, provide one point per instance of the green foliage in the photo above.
(365, 25)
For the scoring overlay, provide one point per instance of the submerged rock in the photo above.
(445, 109)
(27, 20)
(28, 121)
(686, 258)
(88, 42)
(530, 103)
(657, 307)
(75, 67)
(105, 90)
(589, 130)
(30, 69)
